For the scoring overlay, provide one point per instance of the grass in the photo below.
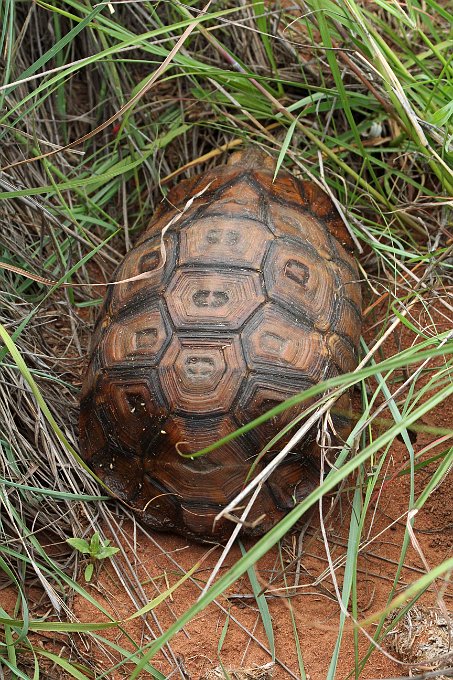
(102, 108)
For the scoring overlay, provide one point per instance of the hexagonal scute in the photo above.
(300, 280)
(220, 474)
(202, 375)
(144, 260)
(213, 299)
(131, 408)
(262, 392)
(140, 338)
(276, 339)
(218, 240)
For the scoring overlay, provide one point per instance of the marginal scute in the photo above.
(287, 220)
(284, 190)
(156, 506)
(349, 282)
(220, 472)
(317, 199)
(145, 272)
(290, 485)
(342, 353)
(262, 393)
(92, 436)
(239, 296)
(237, 199)
(121, 471)
(348, 322)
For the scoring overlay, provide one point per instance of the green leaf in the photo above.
(66, 665)
(285, 145)
(106, 551)
(95, 544)
(223, 635)
(89, 572)
(443, 115)
(55, 49)
(79, 544)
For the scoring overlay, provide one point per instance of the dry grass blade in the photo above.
(129, 105)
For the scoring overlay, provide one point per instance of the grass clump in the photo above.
(102, 107)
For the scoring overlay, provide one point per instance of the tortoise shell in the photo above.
(240, 294)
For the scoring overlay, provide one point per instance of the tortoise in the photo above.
(241, 293)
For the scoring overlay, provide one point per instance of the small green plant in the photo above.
(95, 548)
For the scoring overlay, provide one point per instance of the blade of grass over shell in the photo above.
(407, 357)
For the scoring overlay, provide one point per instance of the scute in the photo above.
(93, 440)
(275, 339)
(302, 281)
(139, 338)
(149, 271)
(348, 322)
(238, 198)
(216, 240)
(202, 375)
(220, 473)
(121, 472)
(130, 408)
(286, 220)
(262, 393)
(213, 298)
(240, 294)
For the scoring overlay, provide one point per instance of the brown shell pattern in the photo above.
(256, 299)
